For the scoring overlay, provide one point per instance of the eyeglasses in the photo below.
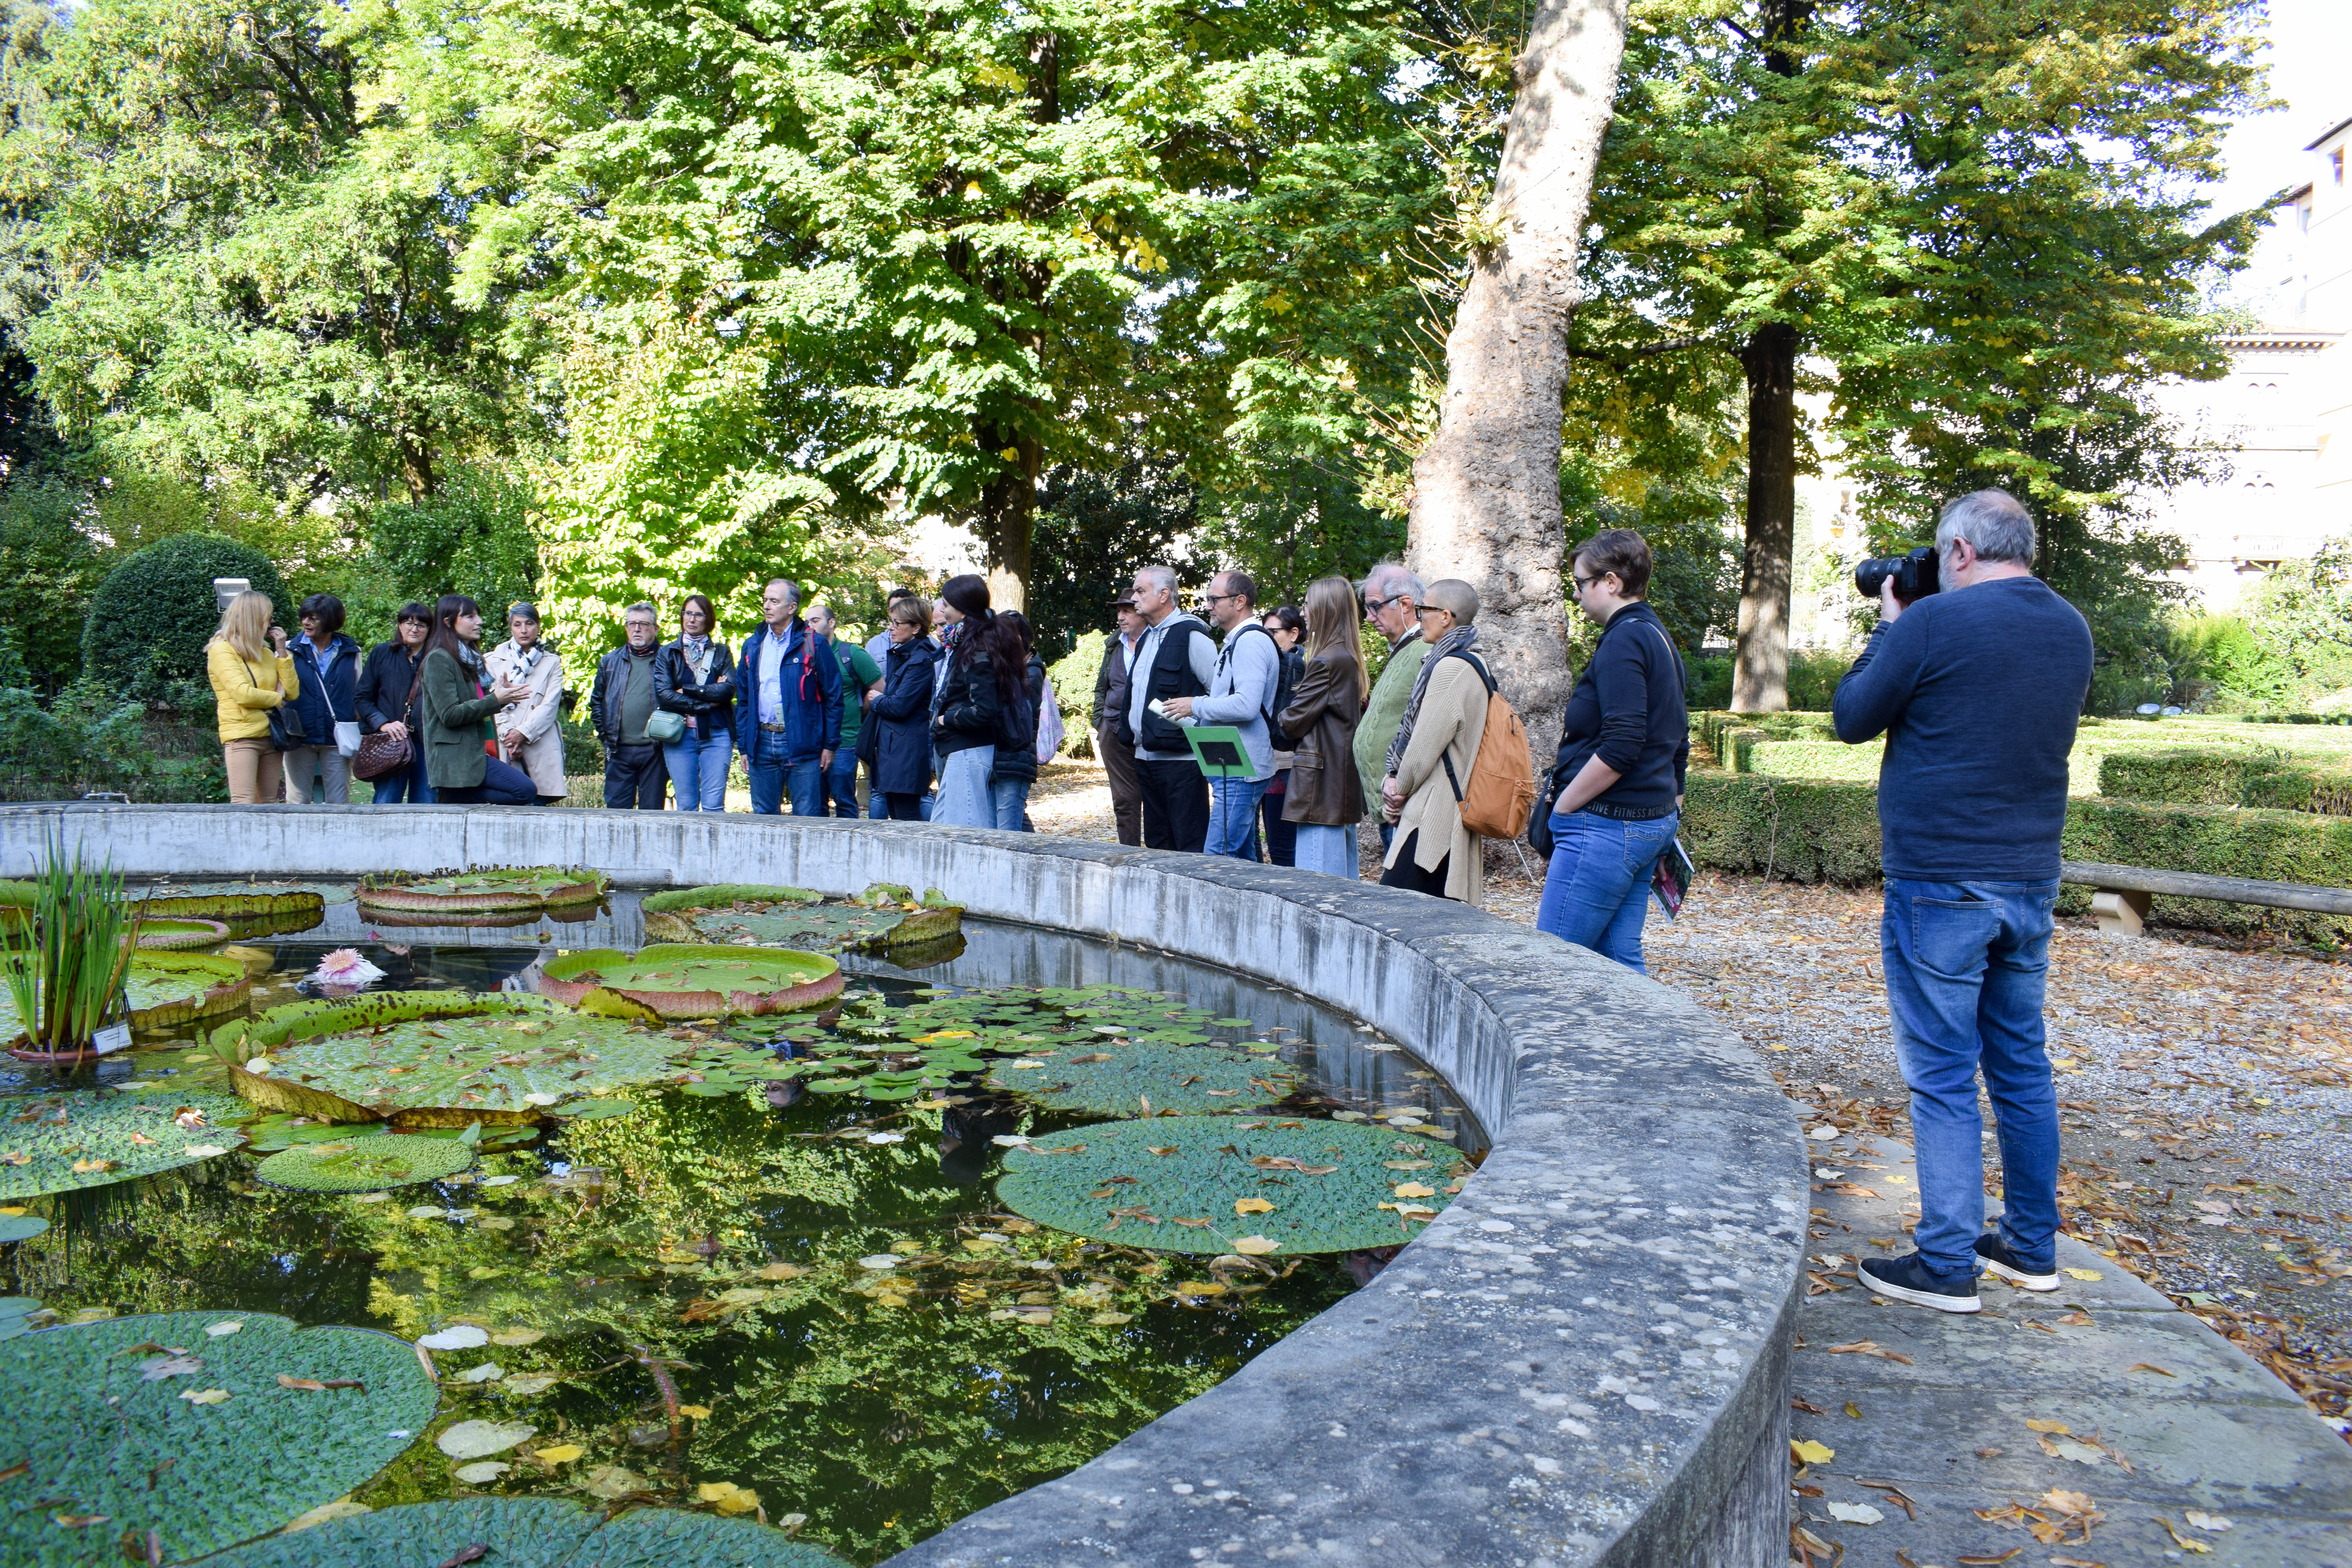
(1374, 606)
(1219, 598)
(1584, 583)
(1429, 610)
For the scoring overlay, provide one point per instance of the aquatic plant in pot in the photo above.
(67, 973)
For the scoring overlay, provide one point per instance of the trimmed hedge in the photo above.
(150, 620)
(1809, 830)
(2197, 775)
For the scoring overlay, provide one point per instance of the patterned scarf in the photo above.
(697, 651)
(1461, 639)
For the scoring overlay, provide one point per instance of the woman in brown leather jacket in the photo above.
(1326, 797)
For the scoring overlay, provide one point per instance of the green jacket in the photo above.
(858, 674)
(456, 722)
(1382, 713)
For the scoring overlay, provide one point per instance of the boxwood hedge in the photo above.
(151, 618)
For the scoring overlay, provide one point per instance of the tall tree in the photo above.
(1922, 208)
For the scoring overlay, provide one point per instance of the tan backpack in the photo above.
(1502, 788)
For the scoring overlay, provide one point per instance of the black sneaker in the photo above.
(2000, 1262)
(1906, 1278)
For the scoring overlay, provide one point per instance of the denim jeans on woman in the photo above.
(697, 766)
(407, 786)
(965, 799)
(1596, 891)
(1966, 966)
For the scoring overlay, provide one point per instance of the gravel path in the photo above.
(2206, 1088)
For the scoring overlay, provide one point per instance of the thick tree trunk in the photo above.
(1485, 496)
(1007, 517)
(1760, 677)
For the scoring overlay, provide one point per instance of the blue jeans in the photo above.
(1330, 850)
(1233, 817)
(1009, 800)
(1966, 965)
(773, 775)
(877, 804)
(697, 769)
(1596, 891)
(965, 799)
(841, 781)
(408, 785)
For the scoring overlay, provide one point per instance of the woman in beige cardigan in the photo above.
(528, 733)
(1444, 720)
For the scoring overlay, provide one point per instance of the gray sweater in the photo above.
(1249, 668)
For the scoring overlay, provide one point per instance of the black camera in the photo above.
(1914, 576)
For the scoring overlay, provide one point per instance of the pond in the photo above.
(794, 1300)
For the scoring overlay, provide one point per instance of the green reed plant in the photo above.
(67, 969)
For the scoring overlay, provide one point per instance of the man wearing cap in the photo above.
(1393, 605)
(1111, 692)
(528, 735)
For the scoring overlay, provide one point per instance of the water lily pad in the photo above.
(1146, 1079)
(20, 1228)
(453, 900)
(247, 909)
(677, 979)
(437, 1058)
(530, 1532)
(480, 1439)
(172, 988)
(365, 1164)
(1137, 1183)
(92, 1138)
(96, 1432)
(882, 918)
(171, 935)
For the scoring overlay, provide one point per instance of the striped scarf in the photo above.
(1461, 639)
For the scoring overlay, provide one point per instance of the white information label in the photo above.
(113, 1037)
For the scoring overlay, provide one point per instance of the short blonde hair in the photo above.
(245, 625)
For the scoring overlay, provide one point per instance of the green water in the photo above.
(696, 1280)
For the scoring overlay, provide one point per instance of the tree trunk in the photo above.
(416, 466)
(1485, 496)
(1007, 515)
(1760, 678)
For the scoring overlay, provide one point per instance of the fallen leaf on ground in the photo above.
(1808, 1452)
(1855, 1513)
(2083, 1274)
(2149, 1366)
(2043, 1426)
(2203, 1521)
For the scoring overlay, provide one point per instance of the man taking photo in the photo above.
(1977, 687)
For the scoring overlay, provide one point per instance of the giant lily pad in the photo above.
(682, 980)
(530, 1532)
(1131, 1080)
(174, 935)
(438, 1059)
(883, 917)
(1196, 1183)
(455, 898)
(92, 1138)
(113, 1450)
(257, 909)
(364, 1164)
(172, 988)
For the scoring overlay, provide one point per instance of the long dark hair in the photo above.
(444, 635)
(986, 632)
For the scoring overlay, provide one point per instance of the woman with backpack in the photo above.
(1324, 799)
(1624, 747)
(978, 705)
(1433, 851)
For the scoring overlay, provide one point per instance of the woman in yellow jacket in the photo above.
(248, 682)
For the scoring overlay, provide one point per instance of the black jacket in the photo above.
(383, 685)
(612, 684)
(972, 711)
(675, 688)
(1111, 681)
(1016, 755)
(1627, 709)
(902, 756)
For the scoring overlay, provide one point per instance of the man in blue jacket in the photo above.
(789, 724)
(1977, 687)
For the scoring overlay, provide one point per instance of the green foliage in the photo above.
(365, 1164)
(2198, 775)
(109, 1137)
(1073, 676)
(1294, 522)
(49, 568)
(792, 918)
(532, 1532)
(1145, 1080)
(1092, 530)
(2268, 845)
(2223, 653)
(474, 537)
(171, 988)
(1800, 830)
(98, 1413)
(1327, 1183)
(150, 620)
(693, 980)
(66, 978)
(2301, 616)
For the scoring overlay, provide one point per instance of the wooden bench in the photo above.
(2123, 892)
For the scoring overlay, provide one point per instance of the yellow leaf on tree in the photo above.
(1808, 1452)
(699, 1412)
(561, 1453)
(1251, 1205)
(1256, 1245)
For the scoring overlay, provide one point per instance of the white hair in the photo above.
(1161, 577)
(1398, 578)
(792, 590)
(1995, 521)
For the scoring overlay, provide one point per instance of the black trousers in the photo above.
(1175, 805)
(634, 776)
(1406, 874)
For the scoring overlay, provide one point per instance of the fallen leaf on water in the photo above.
(215, 1331)
(1109, 1320)
(78, 1521)
(1168, 1149)
(205, 1396)
(317, 1385)
(1414, 1190)
(518, 1337)
(1251, 1205)
(561, 1454)
(326, 1513)
(2149, 1366)
(1256, 1245)
(460, 1337)
(480, 1439)
(727, 1497)
(782, 1271)
(699, 1412)
(1808, 1452)
(482, 1473)
(83, 1167)
(156, 1368)
(489, 1372)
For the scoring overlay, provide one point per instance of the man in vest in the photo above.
(1175, 659)
(1241, 691)
(791, 722)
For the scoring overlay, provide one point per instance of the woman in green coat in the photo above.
(454, 713)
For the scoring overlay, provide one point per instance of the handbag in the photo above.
(381, 755)
(665, 728)
(347, 737)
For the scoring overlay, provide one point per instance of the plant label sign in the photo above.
(113, 1037)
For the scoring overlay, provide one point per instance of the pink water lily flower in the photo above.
(345, 967)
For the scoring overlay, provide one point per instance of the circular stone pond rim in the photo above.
(1584, 1359)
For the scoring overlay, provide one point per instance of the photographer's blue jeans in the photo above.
(1596, 891)
(773, 776)
(1966, 967)
(1233, 817)
(841, 782)
(697, 769)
